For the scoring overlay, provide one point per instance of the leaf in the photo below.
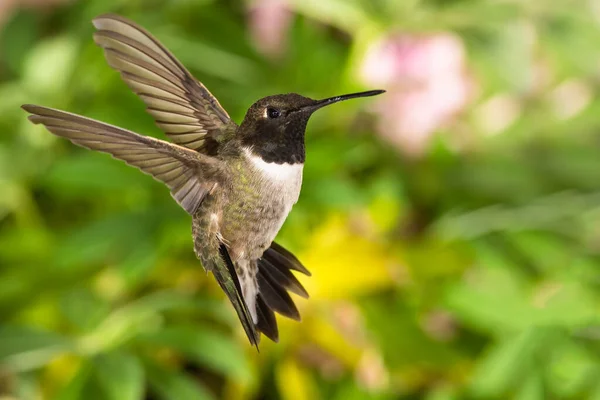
(136, 267)
(442, 393)
(220, 63)
(506, 364)
(49, 65)
(23, 348)
(335, 192)
(571, 370)
(83, 308)
(208, 348)
(402, 339)
(26, 387)
(17, 37)
(171, 385)
(344, 15)
(569, 305)
(104, 239)
(89, 172)
(75, 389)
(494, 299)
(121, 375)
(532, 389)
(595, 394)
(128, 321)
(355, 390)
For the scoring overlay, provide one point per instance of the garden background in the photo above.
(452, 225)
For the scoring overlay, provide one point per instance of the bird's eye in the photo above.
(273, 113)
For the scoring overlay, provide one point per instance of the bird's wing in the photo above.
(229, 282)
(189, 174)
(181, 106)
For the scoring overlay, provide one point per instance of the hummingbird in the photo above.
(238, 183)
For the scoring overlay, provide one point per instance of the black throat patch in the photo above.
(275, 144)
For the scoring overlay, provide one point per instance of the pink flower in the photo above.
(426, 83)
(269, 21)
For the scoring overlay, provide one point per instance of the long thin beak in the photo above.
(325, 102)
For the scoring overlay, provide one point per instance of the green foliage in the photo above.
(469, 271)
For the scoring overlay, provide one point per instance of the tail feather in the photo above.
(280, 256)
(276, 297)
(229, 282)
(283, 276)
(267, 324)
(274, 280)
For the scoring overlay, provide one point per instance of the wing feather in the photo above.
(180, 105)
(187, 173)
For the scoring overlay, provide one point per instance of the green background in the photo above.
(463, 272)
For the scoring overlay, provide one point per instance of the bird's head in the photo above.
(274, 126)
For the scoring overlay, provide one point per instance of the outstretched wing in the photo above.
(181, 106)
(187, 173)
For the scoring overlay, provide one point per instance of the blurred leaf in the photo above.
(206, 347)
(136, 267)
(90, 172)
(127, 322)
(468, 270)
(121, 376)
(512, 55)
(571, 369)
(171, 385)
(23, 348)
(114, 237)
(400, 335)
(353, 391)
(532, 389)
(16, 39)
(76, 388)
(344, 15)
(49, 64)
(442, 393)
(508, 363)
(209, 60)
(27, 386)
(595, 394)
(82, 308)
(338, 193)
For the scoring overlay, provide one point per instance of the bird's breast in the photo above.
(277, 185)
(261, 198)
(285, 179)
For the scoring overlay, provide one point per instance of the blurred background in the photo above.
(452, 225)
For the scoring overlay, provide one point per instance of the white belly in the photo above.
(284, 179)
(279, 187)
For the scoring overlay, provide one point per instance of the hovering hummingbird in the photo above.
(237, 182)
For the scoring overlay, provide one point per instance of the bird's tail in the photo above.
(224, 271)
(274, 280)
